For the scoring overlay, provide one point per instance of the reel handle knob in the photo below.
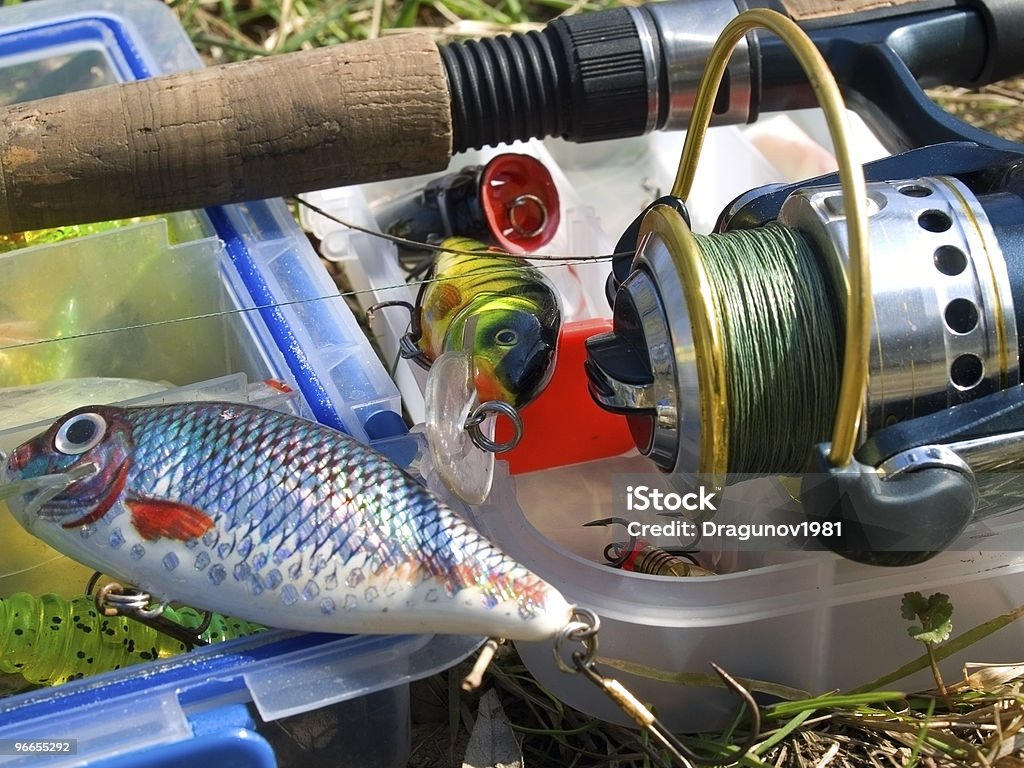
(902, 514)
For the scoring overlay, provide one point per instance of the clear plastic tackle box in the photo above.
(808, 620)
(213, 304)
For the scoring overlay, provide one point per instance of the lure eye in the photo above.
(80, 433)
(506, 338)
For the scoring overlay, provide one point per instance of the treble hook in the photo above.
(583, 629)
(113, 599)
(624, 553)
(615, 561)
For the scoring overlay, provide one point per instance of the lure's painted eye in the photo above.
(506, 338)
(80, 433)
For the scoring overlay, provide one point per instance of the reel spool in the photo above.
(706, 388)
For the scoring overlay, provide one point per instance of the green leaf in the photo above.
(935, 614)
(933, 636)
(913, 605)
(833, 702)
(940, 610)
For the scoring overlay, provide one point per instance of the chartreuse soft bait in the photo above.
(50, 640)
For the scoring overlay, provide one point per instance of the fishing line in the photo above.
(567, 261)
(29, 568)
(781, 340)
(437, 248)
(556, 260)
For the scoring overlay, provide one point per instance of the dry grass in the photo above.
(998, 108)
(878, 729)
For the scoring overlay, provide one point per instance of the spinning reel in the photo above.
(738, 354)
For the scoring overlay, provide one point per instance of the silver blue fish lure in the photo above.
(266, 516)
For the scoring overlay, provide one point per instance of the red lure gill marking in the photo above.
(158, 518)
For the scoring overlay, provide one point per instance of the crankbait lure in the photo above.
(256, 513)
(50, 640)
(494, 306)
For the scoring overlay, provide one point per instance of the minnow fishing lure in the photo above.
(496, 307)
(260, 514)
(50, 640)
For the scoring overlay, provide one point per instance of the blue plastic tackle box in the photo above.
(183, 299)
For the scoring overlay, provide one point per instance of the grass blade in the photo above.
(947, 649)
(700, 679)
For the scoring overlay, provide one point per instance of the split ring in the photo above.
(481, 412)
(519, 202)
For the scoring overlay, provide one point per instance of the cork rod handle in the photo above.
(804, 10)
(285, 124)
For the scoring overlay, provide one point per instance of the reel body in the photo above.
(947, 277)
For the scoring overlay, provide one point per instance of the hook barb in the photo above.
(606, 521)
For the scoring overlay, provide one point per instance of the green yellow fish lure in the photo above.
(50, 640)
(497, 307)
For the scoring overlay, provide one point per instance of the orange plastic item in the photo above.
(520, 202)
(564, 425)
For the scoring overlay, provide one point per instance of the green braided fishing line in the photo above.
(783, 344)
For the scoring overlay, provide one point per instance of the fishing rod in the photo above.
(402, 105)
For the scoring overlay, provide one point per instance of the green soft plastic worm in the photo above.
(50, 640)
